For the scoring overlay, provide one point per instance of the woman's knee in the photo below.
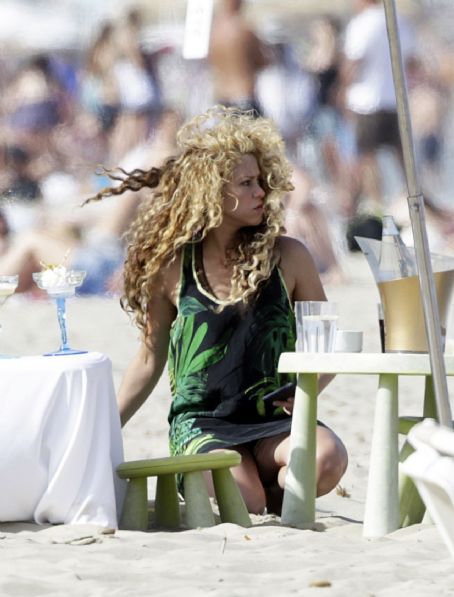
(252, 491)
(255, 500)
(332, 461)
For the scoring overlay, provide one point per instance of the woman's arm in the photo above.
(299, 271)
(145, 369)
(302, 280)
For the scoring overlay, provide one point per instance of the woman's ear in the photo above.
(231, 202)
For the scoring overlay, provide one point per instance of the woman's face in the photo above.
(244, 195)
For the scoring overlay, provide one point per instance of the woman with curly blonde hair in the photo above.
(211, 283)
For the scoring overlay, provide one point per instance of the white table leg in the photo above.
(300, 482)
(381, 514)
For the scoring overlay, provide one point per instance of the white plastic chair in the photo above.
(431, 467)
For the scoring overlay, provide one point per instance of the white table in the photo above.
(60, 440)
(381, 514)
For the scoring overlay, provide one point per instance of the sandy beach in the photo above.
(268, 559)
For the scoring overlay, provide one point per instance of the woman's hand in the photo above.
(287, 405)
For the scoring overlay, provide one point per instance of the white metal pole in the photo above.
(417, 216)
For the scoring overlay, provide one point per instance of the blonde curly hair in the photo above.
(187, 202)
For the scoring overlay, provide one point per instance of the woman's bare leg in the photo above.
(272, 455)
(247, 478)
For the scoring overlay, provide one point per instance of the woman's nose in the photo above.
(258, 191)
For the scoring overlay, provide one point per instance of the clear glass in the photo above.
(8, 284)
(316, 325)
(60, 284)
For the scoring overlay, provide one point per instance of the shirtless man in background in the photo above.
(236, 55)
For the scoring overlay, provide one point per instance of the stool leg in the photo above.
(198, 507)
(135, 508)
(230, 501)
(167, 509)
(381, 514)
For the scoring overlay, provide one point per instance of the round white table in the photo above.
(60, 440)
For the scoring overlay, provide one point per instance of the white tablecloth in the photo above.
(60, 440)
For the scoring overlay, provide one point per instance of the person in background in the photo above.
(235, 56)
(368, 90)
(32, 103)
(99, 92)
(139, 91)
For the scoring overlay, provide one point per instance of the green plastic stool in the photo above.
(198, 507)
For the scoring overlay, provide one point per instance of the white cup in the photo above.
(316, 324)
(348, 341)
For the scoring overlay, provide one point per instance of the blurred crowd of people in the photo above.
(120, 101)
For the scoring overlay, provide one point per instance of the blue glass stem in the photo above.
(61, 314)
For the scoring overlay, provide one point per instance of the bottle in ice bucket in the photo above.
(401, 313)
(395, 260)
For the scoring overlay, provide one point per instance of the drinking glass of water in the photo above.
(316, 325)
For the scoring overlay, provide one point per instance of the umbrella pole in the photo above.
(417, 216)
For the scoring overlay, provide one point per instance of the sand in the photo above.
(268, 559)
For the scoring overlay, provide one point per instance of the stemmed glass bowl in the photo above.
(60, 284)
(8, 284)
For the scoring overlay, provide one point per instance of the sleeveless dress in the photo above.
(222, 361)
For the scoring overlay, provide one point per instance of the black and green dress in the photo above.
(223, 361)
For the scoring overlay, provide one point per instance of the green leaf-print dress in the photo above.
(222, 363)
